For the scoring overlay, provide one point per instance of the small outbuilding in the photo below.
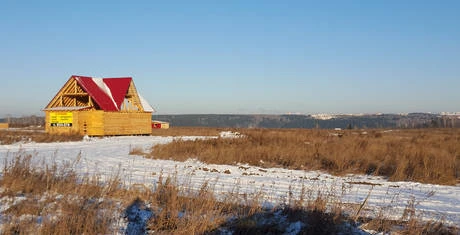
(97, 107)
(160, 125)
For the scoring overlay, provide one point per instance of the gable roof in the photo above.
(118, 88)
(145, 104)
(108, 93)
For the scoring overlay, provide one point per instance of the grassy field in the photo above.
(35, 135)
(423, 155)
(53, 199)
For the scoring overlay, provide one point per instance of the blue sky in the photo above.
(238, 56)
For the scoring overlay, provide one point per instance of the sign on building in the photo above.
(61, 119)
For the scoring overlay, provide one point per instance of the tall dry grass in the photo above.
(58, 201)
(423, 155)
(56, 196)
(187, 131)
(39, 136)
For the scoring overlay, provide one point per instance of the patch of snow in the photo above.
(323, 116)
(145, 104)
(274, 186)
(7, 202)
(294, 228)
(86, 138)
(347, 228)
(66, 108)
(229, 134)
(137, 215)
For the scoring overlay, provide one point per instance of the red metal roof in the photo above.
(108, 93)
(119, 88)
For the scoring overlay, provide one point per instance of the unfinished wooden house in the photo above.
(98, 107)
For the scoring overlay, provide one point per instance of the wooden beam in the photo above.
(75, 94)
(58, 99)
(133, 97)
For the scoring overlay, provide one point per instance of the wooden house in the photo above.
(98, 107)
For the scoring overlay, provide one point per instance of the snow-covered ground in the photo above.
(107, 156)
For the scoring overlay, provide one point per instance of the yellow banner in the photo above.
(61, 119)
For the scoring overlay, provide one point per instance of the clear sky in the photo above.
(238, 56)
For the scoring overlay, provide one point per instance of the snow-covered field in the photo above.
(107, 156)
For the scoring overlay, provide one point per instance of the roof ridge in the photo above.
(103, 86)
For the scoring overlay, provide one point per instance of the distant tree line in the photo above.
(24, 121)
(414, 120)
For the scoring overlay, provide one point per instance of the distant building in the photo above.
(160, 125)
(98, 107)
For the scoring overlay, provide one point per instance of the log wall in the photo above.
(124, 123)
(100, 123)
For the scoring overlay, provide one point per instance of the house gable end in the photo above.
(70, 96)
(56, 101)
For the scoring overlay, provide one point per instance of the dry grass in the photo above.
(187, 131)
(68, 204)
(55, 196)
(57, 201)
(410, 223)
(39, 136)
(423, 155)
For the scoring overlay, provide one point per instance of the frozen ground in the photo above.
(107, 156)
